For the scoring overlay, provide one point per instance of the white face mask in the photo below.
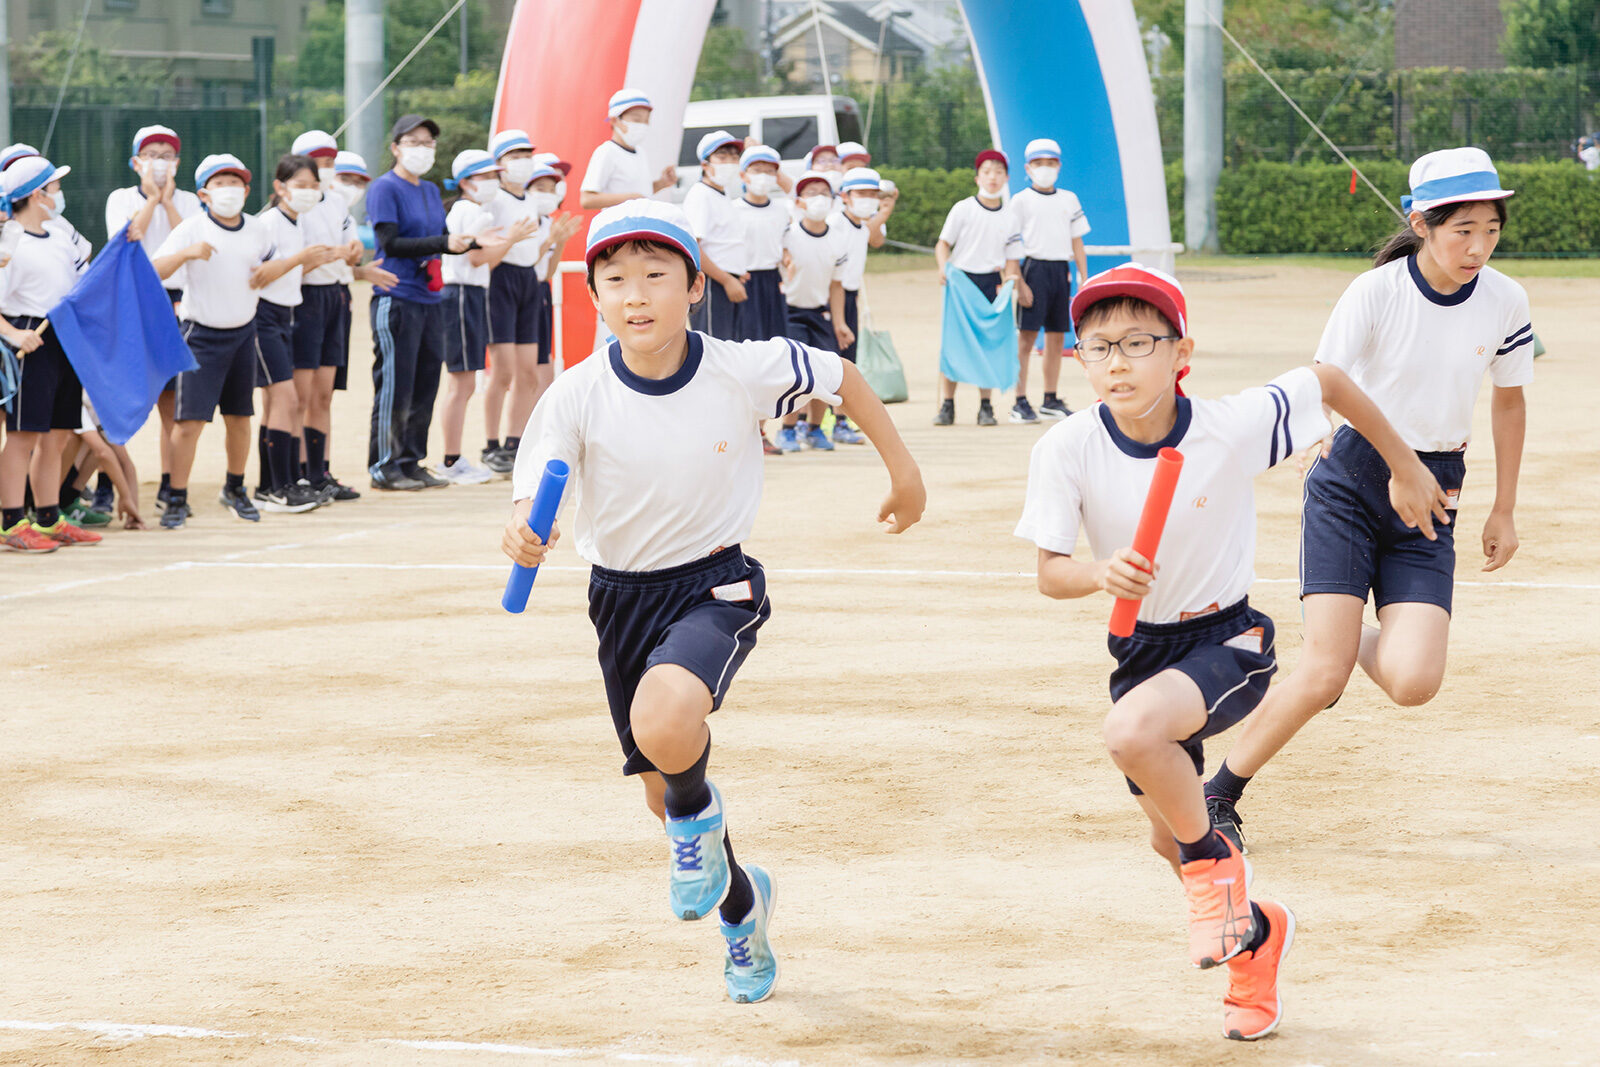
(864, 207)
(157, 170)
(1044, 177)
(227, 201)
(996, 195)
(482, 192)
(561, 191)
(351, 194)
(545, 203)
(518, 171)
(58, 203)
(761, 184)
(325, 177)
(416, 159)
(632, 134)
(303, 200)
(725, 174)
(817, 207)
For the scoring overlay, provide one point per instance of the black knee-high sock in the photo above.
(166, 480)
(297, 463)
(27, 493)
(687, 791)
(103, 483)
(1226, 784)
(279, 445)
(69, 490)
(316, 454)
(741, 894)
(264, 458)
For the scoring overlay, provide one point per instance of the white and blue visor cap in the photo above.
(641, 220)
(1452, 176)
(1040, 148)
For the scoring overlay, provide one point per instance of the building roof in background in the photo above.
(855, 22)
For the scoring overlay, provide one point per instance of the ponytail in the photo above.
(1406, 242)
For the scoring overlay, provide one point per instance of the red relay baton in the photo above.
(1147, 537)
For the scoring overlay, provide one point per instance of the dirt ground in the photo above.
(301, 792)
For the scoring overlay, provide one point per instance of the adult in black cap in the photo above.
(407, 216)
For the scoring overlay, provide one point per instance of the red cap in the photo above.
(994, 154)
(1156, 288)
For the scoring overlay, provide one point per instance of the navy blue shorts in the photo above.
(1051, 282)
(716, 315)
(514, 301)
(765, 315)
(341, 377)
(226, 374)
(852, 319)
(322, 327)
(702, 616)
(811, 326)
(1352, 541)
(547, 322)
(49, 396)
(466, 327)
(274, 343)
(988, 284)
(1232, 677)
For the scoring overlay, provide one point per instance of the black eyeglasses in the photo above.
(1134, 346)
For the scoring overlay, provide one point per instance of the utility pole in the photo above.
(263, 50)
(363, 70)
(1202, 122)
(463, 39)
(5, 72)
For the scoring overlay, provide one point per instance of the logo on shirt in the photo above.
(1199, 501)
(720, 446)
(1481, 350)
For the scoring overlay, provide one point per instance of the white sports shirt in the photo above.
(123, 204)
(717, 224)
(1085, 473)
(857, 238)
(468, 218)
(615, 169)
(666, 471)
(818, 260)
(329, 223)
(507, 209)
(981, 238)
(1049, 222)
(43, 269)
(217, 291)
(1421, 356)
(764, 225)
(288, 239)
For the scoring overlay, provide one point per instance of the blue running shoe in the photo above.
(699, 869)
(817, 440)
(751, 969)
(845, 434)
(788, 439)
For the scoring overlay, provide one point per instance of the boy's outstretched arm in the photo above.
(907, 498)
(1413, 491)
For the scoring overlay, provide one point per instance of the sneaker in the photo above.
(334, 489)
(238, 502)
(751, 970)
(768, 448)
(64, 533)
(788, 439)
(816, 440)
(1228, 823)
(174, 516)
(986, 414)
(1022, 411)
(163, 497)
(499, 460)
(104, 500)
(465, 472)
(1219, 908)
(25, 537)
(699, 875)
(418, 472)
(1252, 1007)
(82, 513)
(287, 500)
(946, 415)
(1052, 408)
(393, 478)
(845, 434)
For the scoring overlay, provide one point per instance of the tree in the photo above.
(1552, 33)
(728, 68)
(43, 60)
(1291, 34)
(320, 64)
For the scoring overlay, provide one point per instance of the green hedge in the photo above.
(1283, 208)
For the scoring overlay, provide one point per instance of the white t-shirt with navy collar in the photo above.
(614, 169)
(288, 239)
(471, 219)
(981, 238)
(1050, 220)
(329, 223)
(44, 267)
(1421, 355)
(123, 204)
(507, 210)
(665, 472)
(217, 291)
(764, 226)
(817, 260)
(857, 242)
(716, 223)
(1085, 474)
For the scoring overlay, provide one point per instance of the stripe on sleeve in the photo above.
(1513, 346)
(1514, 334)
(794, 362)
(810, 377)
(1280, 400)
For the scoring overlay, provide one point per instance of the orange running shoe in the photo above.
(24, 537)
(64, 533)
(1219, 908)
(1252, 1008)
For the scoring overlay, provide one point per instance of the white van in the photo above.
(791, 124)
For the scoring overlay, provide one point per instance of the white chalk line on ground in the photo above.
(142, 1031)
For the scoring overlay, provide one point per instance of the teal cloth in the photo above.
(978, 344)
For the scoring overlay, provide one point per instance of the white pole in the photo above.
(363, 71)
(1202, 121)
(5, 72)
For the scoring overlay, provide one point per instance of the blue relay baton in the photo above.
(546, 502)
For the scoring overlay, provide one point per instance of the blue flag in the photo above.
(978, 344)
(119, 333)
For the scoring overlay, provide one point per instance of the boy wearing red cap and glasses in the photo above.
(1200, 657)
